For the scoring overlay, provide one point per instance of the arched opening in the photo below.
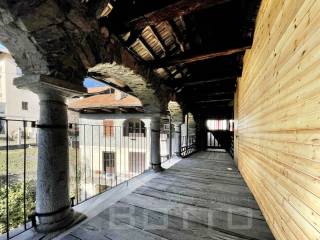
(134, 128)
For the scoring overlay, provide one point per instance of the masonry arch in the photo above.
(70, 41)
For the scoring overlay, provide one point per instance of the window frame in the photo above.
(24, 106)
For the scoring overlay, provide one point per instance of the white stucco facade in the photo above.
(11, 98)
(15, 103)
(131, 152)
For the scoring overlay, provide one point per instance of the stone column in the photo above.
(177, 139)
(53, 203)
(155, 144)
(53, 206)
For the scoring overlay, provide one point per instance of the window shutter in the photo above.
(108, 128)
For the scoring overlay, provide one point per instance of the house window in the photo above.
(134, 128)
(24, 105)
(108, 128)
(108, 162)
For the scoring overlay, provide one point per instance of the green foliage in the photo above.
(16, 204)
(16, 161)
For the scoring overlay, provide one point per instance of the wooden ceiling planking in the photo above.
(190, 50)
(154, 43)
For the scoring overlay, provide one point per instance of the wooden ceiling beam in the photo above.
(177, 35)
(184, 59)
(139, 109)
(153, 54)
(200, 98)
(177, 9)
(214, 80)
(184, 85)
(106, 110)
(214, 101)
(165, 48)
(111, 83)
(122, 109)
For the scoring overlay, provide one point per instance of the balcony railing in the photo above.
(100, 158)
(188, 145)
(18, 167)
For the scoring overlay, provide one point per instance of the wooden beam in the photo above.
(177, 9)
(185, 85)
(121, 109)
(215, 101)
(214, 80)
(139, 109)
(152, 53)
(106, 110)
(165, 49)
(183, 59)
(200, 97)
(111, 82)
(176, 34)
(219, 94)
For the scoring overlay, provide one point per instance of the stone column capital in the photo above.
(48, 87)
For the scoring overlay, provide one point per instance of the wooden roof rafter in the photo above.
(212, 80)
(165, 48)
(176, 9)
(146, 45)
(183, 59)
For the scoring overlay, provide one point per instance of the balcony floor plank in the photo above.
(202, 197)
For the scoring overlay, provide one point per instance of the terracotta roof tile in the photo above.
(98, 89)
(105, 101)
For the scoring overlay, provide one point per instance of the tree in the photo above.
(16, 204)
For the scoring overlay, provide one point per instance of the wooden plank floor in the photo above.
(202, 197)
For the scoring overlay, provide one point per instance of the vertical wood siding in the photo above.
(278, 117)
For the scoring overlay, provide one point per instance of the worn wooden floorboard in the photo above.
(200, 202)
(202, 197)
(241, 201)
(216, 179)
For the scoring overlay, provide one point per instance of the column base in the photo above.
(177, 154)
(47, 224)
(157, 168)
(78, 217)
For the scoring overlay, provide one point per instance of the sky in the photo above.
(3, 48)
(89, 82)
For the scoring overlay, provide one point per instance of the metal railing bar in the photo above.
(77, 138)
(85, 161)
(120, 129)
(92, 173)
(7, 179)
(24, 174)
(133, 146)
(99, 154)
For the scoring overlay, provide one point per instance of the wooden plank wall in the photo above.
(278, 117)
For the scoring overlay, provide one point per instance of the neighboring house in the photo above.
(15, 103)
(112, 147)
